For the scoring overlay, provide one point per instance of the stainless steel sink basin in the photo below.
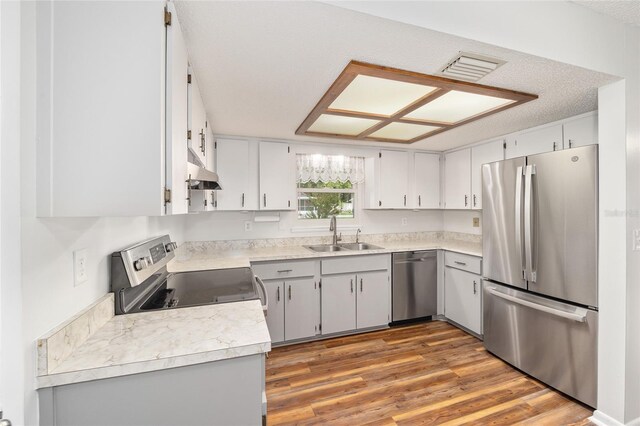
(360, 246)
(326, 248)
(343, 247)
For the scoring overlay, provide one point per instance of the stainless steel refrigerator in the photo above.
(540, 259)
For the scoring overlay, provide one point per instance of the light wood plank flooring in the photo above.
(430, 373)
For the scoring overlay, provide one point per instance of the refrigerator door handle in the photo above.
(528, 221)
(580, 315)
(518, 221)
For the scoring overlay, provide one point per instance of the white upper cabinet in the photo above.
(535, 141)
(387, 180)
(457, 179)
(197, 122)
(233, 165)
(482, 154)
(581, 131)
(104, 140)
(277, 177)
(426, 181)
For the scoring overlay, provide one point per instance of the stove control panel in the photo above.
(146, 258)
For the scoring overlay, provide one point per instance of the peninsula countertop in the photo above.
(149, 341)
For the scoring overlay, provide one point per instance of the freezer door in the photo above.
(552, 341)
(502, 221)
(561, 224)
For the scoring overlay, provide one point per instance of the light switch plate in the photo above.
(636, 240)
(79, 267)
(476, 222)
(403, 221)
(248, 226)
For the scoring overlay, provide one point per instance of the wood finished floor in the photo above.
(430, 373)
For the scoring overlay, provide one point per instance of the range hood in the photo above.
(201, 178)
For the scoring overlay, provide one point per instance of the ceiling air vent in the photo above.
(470, 66)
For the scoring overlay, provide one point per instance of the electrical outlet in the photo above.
(476, 222)
(79, 267)
(636, 240)
(248, 226)
(403, 221)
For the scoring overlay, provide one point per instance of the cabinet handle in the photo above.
(466, 200)
(360, 285)
(289, 291)
(352, 285)
(189, 190)
(474, 200)
(459, 263)
(419, 201)
(282, 271)
(554, 146)
(202, 143)
(278, 294)
(570, 143)
(213, 201)
(379, 203)
(243, 199)
(475, 291)
(405, 200)
(264, 199)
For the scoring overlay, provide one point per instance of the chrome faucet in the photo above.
(333, 226)
(358, 235)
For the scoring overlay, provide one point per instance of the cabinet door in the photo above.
(373, 299)
(301, 308)
(277, 178)
(197, 122)
(338, 303)
(232, 165)
(580, 132)
(275, 313)
(176, 120)
(482, 154)
(457, 179)
(201, 201)
(394, 179)
(427, 181)
(462, 298)
(537, 141)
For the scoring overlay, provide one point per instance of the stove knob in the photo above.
(142, 263)
(169, 247)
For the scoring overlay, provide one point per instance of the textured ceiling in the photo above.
(262, 67)
(627, 11)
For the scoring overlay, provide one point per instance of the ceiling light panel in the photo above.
(377, 103)
(339, 125)
(381, 96)
(402, 131)
(456, 106)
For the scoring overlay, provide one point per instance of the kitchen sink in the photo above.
(360, 246)
(326, 248)
(342, 247)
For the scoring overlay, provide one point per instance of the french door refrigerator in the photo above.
(540, 258)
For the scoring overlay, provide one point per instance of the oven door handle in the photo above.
(265, 304)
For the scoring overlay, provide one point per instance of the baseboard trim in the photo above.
(601, 419)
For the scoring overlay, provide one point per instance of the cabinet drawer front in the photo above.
(284, 270)
(463, 261)
(349, 264)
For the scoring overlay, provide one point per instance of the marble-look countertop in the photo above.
(200, 256)
(143, 342)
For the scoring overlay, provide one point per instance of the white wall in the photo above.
(462, 221)
(11, 356)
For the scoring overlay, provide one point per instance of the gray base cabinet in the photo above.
(226, 392)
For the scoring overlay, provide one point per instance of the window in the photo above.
(327, 185)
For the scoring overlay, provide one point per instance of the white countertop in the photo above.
(201, 257)
(143, 342)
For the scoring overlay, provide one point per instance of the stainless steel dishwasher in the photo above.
(415, 281)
